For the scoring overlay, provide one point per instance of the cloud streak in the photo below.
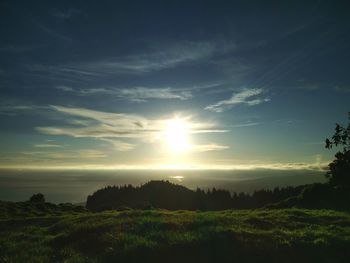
(77, 154)
(14, 107)
(47, 145)
(168, 57)
(152, 60)
(137, 94)
(98, 124)
(209, 147)
(142, 94)
(111, 127)
(120, 145)
(71, 12)
(249, 97)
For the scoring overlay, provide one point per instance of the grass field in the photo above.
(289, 235)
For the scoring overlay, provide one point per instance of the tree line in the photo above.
(166, 195)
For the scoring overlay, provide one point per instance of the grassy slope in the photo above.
(13, 210)
(288, 235)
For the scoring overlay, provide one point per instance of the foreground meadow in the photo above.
(276, 235)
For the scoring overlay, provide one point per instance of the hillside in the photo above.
(166, 195)
(288, 235)
(12, 210)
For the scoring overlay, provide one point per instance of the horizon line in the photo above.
(191, 167)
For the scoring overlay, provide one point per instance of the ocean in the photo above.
(74, 186)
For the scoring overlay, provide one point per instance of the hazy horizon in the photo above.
(74, 186)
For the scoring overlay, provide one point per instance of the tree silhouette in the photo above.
(37, 198)
(339, 169)
(166, 195)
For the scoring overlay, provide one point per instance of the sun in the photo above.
(176, 135)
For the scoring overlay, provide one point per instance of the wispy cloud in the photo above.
(155, 58)
(167, 57)
(120, 145)
(98, 124)
(47, 145)
(35, 20)
(14, 107)
(49, 31)
(57, 155)
(344, 89)
(19, 48)
(142, 94)
(248, 124)
(209, 147)
(108, 126)
(69, 89)
(248, 97)
(66, 14)
(303, 84)
(137, 94)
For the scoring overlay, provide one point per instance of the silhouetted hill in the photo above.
(166, 195)
(157, 194)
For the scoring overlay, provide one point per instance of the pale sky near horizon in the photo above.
(172, 84)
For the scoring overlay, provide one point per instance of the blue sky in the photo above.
(87, 84)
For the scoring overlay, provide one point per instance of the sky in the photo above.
(172, 84)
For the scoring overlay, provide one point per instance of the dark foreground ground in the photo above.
(279, 235)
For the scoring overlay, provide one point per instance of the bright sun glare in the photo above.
(176, 135)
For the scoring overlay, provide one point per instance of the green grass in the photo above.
(12, 210)
(288, 235)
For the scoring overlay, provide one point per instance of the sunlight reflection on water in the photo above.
(177, 177)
